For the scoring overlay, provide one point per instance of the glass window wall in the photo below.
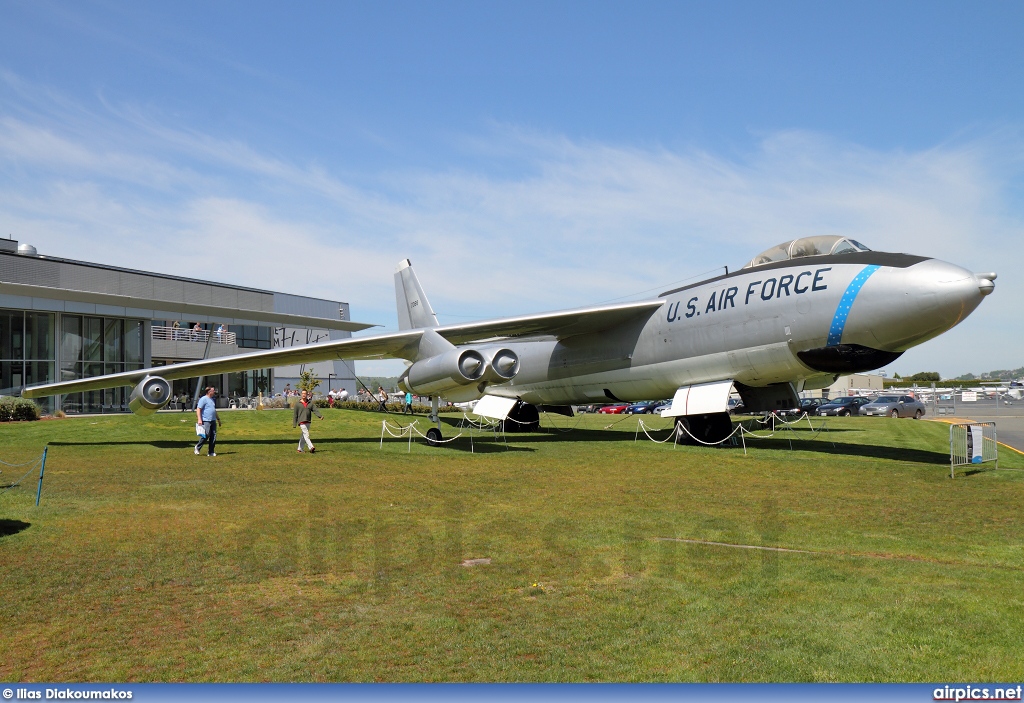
(26, 351)
(251, 336)
(94, 346)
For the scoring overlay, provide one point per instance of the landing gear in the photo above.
(435, 403)
(522, 418)
(433, 436)
(709, 429)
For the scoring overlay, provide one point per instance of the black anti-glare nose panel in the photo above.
(847, 358)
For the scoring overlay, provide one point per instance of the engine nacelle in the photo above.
(457, 369)
(150, 395)
(502, 364)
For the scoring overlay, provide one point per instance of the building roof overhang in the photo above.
(185, 310)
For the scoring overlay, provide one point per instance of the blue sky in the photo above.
(526, 156)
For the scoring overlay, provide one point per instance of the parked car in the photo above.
(613, 409)
(736, 406)
(845, 406)
(807, 405)
(580, 409)
(662, 405)
(894, 406)
(644, 407)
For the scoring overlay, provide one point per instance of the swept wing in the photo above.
(397, 345)
(562, 324)
(401, 345)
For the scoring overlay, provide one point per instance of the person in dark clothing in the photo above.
(304, 411)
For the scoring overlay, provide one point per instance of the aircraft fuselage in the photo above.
(803, 321)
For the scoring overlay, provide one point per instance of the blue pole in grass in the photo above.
(42, 466)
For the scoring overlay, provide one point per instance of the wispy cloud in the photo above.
(528, 222)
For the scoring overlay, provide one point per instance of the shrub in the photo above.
(395, 407)
(18, 409)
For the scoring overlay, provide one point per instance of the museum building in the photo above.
(62, 320)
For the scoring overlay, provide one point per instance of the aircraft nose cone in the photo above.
(903, 307)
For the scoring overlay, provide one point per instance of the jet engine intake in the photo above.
(150, 395)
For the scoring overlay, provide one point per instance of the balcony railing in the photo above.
(181, 334)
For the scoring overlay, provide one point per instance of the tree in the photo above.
(307, 381)
(926, 376)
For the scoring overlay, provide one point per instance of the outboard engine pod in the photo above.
(453, 369)
(150, 395)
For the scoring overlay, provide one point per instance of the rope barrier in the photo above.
(409, 430)
(14, 466)
(40, 462)
(9, 486)
(740, 430)
(556, 428)
(640, 425)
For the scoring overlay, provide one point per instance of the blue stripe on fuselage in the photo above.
(835, 332)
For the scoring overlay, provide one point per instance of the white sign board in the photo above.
(975, 444)
(969, 396)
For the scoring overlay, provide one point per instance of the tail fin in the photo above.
(414, 309)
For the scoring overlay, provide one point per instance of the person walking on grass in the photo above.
(206, 415)
(304, 411)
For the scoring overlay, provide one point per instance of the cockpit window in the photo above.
(807, 246)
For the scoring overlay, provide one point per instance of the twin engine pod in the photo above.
(150, 395)
(455, 369)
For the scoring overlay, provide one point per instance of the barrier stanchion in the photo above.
(42, 467)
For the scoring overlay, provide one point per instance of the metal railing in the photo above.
(972, 443)
(182, 334)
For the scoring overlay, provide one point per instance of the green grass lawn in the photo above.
(147, 563)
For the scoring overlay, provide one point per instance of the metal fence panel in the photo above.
(972, 443)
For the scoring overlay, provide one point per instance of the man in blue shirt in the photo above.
(206, 415)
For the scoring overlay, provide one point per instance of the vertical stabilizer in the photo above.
(414, 309)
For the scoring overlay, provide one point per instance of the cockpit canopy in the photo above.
(807, 246)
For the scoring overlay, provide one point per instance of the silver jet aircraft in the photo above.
(796, 317)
